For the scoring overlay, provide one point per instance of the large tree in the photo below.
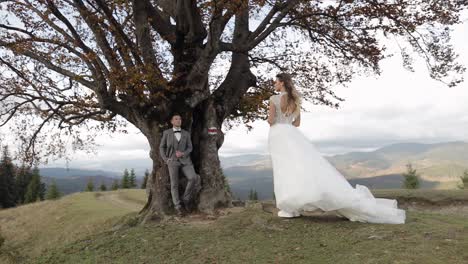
(132, 179)
(125, 180)
(100, 64)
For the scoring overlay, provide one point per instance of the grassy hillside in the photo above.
(29, 229)
(82, 228)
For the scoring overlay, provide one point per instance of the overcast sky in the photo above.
(398, 106)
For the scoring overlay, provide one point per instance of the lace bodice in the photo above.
(280, 117)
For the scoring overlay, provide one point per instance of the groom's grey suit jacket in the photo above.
(169, 145)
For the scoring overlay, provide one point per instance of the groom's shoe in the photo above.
(285, 214)
(180, 212)
(187, 207)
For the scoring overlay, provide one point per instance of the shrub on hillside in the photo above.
(464, 180)
(411, 178)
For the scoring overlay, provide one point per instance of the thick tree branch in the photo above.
(144, 42)
(188, 21)
(196, 81)
(239, 78)
(263, 31)
(160, 23)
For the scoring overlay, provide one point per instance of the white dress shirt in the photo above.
(177, 135)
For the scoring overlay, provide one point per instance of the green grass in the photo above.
(31, 228)
(81, 228)
(255, 236)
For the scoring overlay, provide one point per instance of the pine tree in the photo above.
(103, 187)
(23, 178)
(132, 179)
(143, 185)
(115, 185)
(53, 192)
(7, 180)
(125, 180)
(35, 188)
(411, 178)
(90, 185)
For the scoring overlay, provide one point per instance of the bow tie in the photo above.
(177, 131)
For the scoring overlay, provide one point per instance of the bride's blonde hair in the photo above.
(293, 98)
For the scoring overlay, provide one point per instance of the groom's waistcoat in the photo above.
(169, 145)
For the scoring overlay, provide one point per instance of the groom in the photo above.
(175, 149)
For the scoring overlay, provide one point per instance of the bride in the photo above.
(306, 181)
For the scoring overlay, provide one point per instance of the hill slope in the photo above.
(81, 228)
(42, 225)
(256, 236)
(435, 162)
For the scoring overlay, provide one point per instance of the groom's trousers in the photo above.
(193, 182)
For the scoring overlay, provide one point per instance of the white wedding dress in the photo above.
(305, 181)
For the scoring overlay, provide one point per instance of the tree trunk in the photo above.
(207, 138)
(159, 204)
(204, 157)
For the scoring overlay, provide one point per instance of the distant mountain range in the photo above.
(75, 180)
(437, 162)
(442, 162)
(115, 167)
(440, 165)
(71, 173)
(243, 179)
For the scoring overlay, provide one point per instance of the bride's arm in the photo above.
(297, 121)
(271, 113)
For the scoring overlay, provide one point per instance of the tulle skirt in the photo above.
(305, 181)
